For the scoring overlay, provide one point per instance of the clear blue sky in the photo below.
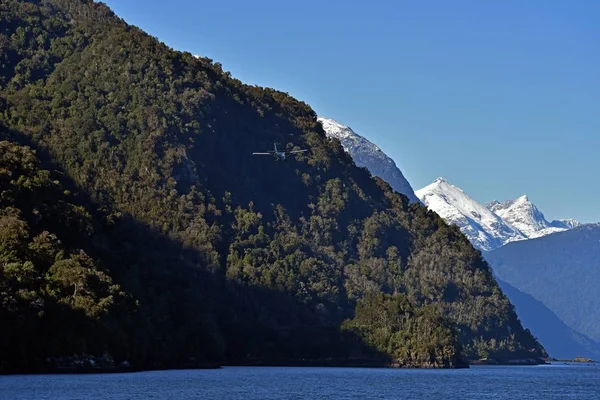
(501, 98)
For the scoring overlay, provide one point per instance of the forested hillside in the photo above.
(135, 222)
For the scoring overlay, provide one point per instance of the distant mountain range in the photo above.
(368, 155)
(524, 216)
(494, 224)
(561, 270)
(559, 340)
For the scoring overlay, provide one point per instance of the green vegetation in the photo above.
(142, 227)
(414, 337)
(53, 294)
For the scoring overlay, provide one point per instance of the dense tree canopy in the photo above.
(142, 222)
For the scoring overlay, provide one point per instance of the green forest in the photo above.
(136, 226)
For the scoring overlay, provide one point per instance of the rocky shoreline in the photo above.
(525, 361)
(579, 360)
(342, 362)
(97, 365)
(105, 364)
(85, 364)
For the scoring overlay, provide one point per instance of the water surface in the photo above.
(244, 383)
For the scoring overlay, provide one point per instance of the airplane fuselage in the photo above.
(279, 155)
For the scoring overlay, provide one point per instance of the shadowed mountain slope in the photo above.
(224, 255)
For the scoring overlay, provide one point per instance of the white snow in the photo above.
(369, 155)
(484, 229)
(525, 216)
(570, 223)
(492, 225)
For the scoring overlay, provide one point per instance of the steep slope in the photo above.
(229, 256)
(561, 270)
(559, 340)
(48, 283)
(484, 229)
(526, 217)
(367, 154)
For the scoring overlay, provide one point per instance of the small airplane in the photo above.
(278, 154)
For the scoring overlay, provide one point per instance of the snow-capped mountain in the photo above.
(483, 227)
(526, 217)
(570, 223)
(492, 225)
(367, 154)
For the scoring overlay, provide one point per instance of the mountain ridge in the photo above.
(522, 214)
(560, 270)
(483, 227)
(491, 225)
(560, 340)
(367, 154)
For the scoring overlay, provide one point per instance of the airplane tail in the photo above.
(275, 145)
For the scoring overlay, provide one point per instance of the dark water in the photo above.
(537, 382)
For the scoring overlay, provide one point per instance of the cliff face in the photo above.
(215, 254)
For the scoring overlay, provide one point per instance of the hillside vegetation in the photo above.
(136, 224)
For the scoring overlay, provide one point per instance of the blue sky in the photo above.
(501, 98)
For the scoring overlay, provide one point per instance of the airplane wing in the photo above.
(263, 154)
(298, 151)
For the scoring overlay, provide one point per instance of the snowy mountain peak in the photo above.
(369, 155)
(483, 227)
(526, 217)
(443, 183)
(491, 225)
(570, 223)
(522, 201)
(335, 129)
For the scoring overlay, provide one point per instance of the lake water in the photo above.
(480, 382)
